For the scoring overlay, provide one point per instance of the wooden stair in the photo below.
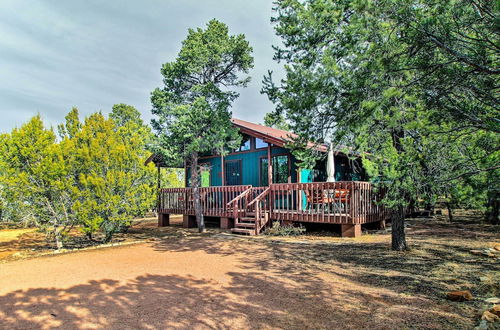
(250, 216)
(245, 225)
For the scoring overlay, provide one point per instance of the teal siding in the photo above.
(250, 166)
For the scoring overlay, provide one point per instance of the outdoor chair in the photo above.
(332, 199)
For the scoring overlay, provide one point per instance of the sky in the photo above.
(55, 55)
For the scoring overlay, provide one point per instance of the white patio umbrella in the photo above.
(330, 165)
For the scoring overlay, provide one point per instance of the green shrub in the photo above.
(279, 229)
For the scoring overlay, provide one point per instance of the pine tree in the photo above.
(193, 108)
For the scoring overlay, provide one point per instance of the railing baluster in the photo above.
(328, 202)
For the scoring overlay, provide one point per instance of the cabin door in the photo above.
(233, 172)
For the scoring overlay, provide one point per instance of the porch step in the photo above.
(247, 219)
(243, 231)
(245, 225)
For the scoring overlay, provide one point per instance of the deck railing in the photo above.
(344, 202)
(366, 203)
(327, 202)
(261, 207)
(213, 200)
(238, 205)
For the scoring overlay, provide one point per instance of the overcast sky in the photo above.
(92, 54)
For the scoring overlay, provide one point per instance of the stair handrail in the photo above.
(243, 194)
(258, 218)
(236, 200)
(259, 197)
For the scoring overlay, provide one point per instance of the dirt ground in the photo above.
(22, 243)
(177, 278)
(10, 239)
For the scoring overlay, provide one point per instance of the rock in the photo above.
(497, 247)
(486, 252)
(490, 317)
(495, 310)
(483, 279)
(459, 295)
(493, 300)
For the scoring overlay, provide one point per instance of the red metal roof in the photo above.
(277, 137)
(271, 135)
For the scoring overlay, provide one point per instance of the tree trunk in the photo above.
(411, 207)
(195, 182)
(492, 211)
(450, 212)
(58, 237)
(430, 208)
(398, 214)
(398, 230)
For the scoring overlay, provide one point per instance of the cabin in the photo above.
(261, 182)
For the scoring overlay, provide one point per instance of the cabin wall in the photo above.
(250, 166)
(345, 169)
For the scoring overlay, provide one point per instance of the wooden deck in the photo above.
(347, 202)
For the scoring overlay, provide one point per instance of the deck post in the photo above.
(188, 221)
(299, 193)
(270, 177)
(158, 193)
(158, 183)
(223, 174)
(226, 223)
(350, 230)
(163, 219)
(269, 166)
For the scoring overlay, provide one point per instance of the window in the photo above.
(260, 144)
(245, 144)
(280, 170)
(232, 169)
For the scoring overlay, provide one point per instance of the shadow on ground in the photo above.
(251, 301)
(275, 285)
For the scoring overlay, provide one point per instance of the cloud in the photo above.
(92, 54)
